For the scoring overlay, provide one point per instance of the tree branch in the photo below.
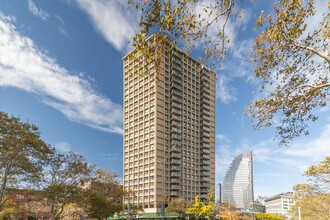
(311, 86)
(327, 58)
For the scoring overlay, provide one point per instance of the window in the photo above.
(20, 196)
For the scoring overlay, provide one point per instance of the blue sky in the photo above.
(61, 69)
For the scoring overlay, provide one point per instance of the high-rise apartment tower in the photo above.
(238, 183)
(169, 125)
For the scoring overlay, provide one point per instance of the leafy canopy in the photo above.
(176, 206)
(22, 154)
(314, 197)
(292, 60)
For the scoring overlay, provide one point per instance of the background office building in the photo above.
(280, 204)
(168, 123)
(238, 183)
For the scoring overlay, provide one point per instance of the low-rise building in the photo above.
(279, 204)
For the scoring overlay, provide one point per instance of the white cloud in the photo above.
(63, 146)
(37, 12)
(114, 19)
(24, 66)
(224, 91)
(61, 26)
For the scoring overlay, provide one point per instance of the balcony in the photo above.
(205, 112)
(175, 168)
(176, 105)
(205, 185)
(205, 117)
(207, 84)
(205, 156)
(205, 134)
(174, 155)
(205, 89)
(205, 168)
(176, 60)
(205, 179)
(207, 162)
(177, 67)
(203, 196)
(176, 149)
(204, 145)
(205, 106)
(204, 191)
(176, 79)
(173, 161)
(205, 95)
(205, 101)
(205, 173)
(176, 73)
(175, 130)
(176, 92)
(207, 140)
(176, 124)
(173, 142)
(176, 99)
(176, 85)
(205, 128)
(174, 180)
(205, 151)
(206, 78)
(175, 136)
(175, 187)
(175, 117)
(175, 174)
(176, 53)
(205, 123)
(174, 193)
(175, 111)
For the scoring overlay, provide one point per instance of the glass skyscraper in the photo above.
(238, 183)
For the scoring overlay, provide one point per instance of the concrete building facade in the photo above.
(238, 183)
(169, 125)
(280, 204)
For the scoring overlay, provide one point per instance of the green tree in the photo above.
(266, 216)
(22, 154)
(176, 206)
(314, 197)
(104, 196)
(63, 177)
(293, 65)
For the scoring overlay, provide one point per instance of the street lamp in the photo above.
(163, 186)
